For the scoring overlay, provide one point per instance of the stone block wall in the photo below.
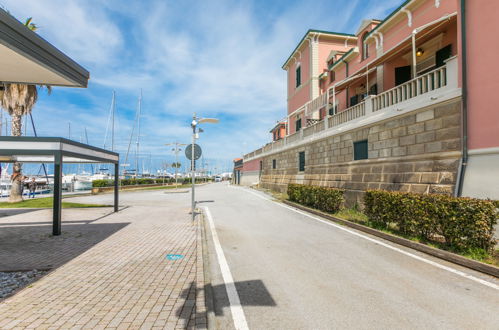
(414, 152)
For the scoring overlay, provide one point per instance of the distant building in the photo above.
(390, 108)
(238, 167)
(278, 131)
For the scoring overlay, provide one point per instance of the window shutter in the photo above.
(360, 150)
(301, 161)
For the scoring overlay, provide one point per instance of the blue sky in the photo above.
(216, 58)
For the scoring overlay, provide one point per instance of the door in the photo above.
(443, 54)
(402, 74)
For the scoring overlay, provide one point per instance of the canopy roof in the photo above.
(25, 57)
(44, 150)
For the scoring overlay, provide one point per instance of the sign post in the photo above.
(193, 152)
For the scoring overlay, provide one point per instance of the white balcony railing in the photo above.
(315, 105)
(420, 85)
(440, 84)
(348, 114)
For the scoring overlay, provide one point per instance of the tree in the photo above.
(18, 100)
(176, 165)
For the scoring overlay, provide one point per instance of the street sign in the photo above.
(197, 152)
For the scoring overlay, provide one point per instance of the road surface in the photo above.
(292, 271)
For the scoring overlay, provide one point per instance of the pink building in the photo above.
(411, 89)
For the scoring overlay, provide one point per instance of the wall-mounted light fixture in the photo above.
(419, 52)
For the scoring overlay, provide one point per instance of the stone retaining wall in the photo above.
(415, 152)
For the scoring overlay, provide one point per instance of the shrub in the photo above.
(464, 223)
(321, 198)
(102, 183)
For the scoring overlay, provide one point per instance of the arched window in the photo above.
(365, 48)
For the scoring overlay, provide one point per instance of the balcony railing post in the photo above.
(368, 105)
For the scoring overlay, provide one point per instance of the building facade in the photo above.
(397, 106)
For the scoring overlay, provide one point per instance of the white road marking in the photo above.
(235, 304)
(449, 269)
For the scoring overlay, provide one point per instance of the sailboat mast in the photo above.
(86, 138)
(138, 135)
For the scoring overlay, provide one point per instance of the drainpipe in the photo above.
(464, 104)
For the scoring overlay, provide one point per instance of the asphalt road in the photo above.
(291, 271)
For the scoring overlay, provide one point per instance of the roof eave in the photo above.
(392, 15)
(346, 56)
(29, 44)
(320, 32)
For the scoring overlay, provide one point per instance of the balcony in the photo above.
(433, 87)
(426, 83)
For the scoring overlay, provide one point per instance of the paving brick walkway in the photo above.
(122, 280)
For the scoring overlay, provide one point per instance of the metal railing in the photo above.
(420, 85)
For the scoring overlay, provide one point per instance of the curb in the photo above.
(444, 255)
(208, 289)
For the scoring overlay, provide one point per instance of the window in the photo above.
(298, 125)
(301, 161)
(298, 76)
(365, 47)
(332, 76)
(333, 110)
(360, 150)
(274, 164)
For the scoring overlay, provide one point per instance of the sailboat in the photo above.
(83, 180)
(134, 172)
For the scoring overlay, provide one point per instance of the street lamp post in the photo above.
(176, 150)
(194, 123)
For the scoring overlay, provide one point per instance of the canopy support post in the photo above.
(57, 198)
(116, 185)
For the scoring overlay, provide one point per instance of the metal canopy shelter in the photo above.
(25, 57)
(58, 151)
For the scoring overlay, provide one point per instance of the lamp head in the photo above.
(208, 120)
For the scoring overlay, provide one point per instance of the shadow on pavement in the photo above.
(30, 247)
(9, 212)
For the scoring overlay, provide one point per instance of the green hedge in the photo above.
(140, 181)
(102, 183)
(464, 223)
(321, 198)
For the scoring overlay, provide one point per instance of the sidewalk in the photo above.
(117, 274)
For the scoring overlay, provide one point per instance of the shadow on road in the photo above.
(251, 293)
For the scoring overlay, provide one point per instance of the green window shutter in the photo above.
(298, 125)
(298, 76)
(301, 161)
(360, 150)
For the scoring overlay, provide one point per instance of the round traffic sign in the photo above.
(197, 152)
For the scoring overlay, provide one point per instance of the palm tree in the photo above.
(18, 100)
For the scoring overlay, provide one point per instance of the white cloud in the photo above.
(218, 58)
(81, 29)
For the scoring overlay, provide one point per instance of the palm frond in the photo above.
(30, 25)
